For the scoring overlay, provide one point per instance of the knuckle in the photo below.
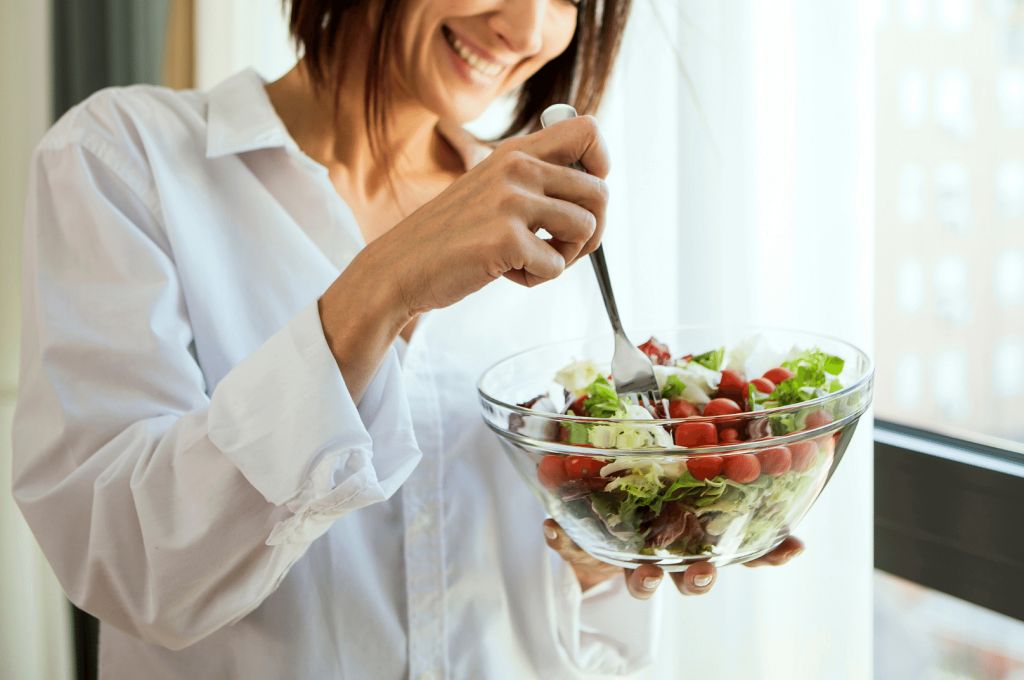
(601, 191)
(588, 126)
(511, 201)
(510, 145)
(513, 243)
(520, 165)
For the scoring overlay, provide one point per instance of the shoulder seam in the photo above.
(116, 160)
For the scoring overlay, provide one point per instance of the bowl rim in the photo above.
(751, 447)
(746, 415)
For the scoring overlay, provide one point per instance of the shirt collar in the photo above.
(241, 118)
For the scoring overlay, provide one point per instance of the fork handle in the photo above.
(551, 115)
(601, 270)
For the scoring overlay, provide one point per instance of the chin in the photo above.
(462, 109)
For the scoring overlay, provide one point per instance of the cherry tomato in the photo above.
(777, 375)
(577, 406)
(733, 386)
(582, 466)
(818, 419)
(681, 409)
(775, 461)
(551, 472)
(692, 435)
(721, 407)
(729, 434)
(705, 467)
(803, 454)
(732, 380)
(742, 468)
(658, 352)
(763, 385)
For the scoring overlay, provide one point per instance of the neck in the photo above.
(335, 134)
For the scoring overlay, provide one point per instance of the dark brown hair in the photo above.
(578, 76)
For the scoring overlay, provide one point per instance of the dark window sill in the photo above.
(949, 515)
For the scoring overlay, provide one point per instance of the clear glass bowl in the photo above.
(726, 519)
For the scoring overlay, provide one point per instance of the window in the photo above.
(949, 346)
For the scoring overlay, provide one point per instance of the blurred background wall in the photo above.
(35, 635)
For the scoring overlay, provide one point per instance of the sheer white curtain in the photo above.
(235, 34)
(742, 191)
(742, 140)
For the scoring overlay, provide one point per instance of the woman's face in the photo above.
(458, 56)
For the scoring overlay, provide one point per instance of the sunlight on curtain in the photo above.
(235, 34)
(179, 63)
(769, 222)
(35, 635)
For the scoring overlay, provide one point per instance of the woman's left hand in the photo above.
(644, 580)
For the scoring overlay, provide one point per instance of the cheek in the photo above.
(558, 34)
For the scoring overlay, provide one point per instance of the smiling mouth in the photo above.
(476, 62)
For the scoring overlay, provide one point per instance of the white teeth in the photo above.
(485, 67)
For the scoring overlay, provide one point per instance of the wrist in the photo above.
(361, 314)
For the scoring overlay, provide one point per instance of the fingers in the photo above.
(569, 551)
(568, 141)
(569, 204)
(589, 570)
(697, 579)
(530, 260)
(585, 191)
(570, 226)
(643, 581)
(787, 550)
(563, 545)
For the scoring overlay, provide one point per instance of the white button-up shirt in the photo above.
(189, 457)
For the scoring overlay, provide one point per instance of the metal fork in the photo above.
(632, 371)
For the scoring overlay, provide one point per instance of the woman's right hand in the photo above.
(483, 226)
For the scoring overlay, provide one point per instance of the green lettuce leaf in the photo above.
(603, 402)
(674, 388)
(712, 360)
(813, 370)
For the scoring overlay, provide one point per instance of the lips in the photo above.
(475, 60)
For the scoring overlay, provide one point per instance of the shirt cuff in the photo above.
(606, 630)
(285, 418)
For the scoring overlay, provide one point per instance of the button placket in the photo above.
(421, 502)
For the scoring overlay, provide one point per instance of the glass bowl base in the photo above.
(674, 563)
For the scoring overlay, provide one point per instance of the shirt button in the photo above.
(432, 674)
(421, 522)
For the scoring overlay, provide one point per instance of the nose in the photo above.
(520, 25)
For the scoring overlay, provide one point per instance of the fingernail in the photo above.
(550, 532)
(703, 580)
(795, 553)
(651, 582)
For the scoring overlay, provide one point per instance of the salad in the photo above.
(697, 505)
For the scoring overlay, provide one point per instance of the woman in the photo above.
(241, 440)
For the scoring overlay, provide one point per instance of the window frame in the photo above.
(949, 515)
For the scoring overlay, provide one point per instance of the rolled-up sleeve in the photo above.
(292, 380)
(164, 510)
